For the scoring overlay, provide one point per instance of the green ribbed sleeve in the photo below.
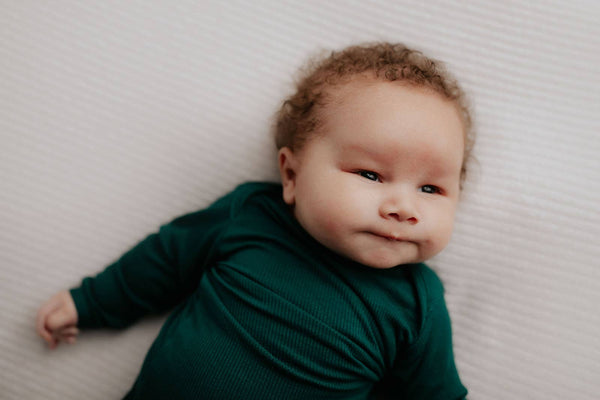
(156, 274)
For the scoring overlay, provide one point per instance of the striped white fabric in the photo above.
(117, 116)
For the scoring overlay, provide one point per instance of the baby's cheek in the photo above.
(441, 236)
(331, 224)
(322, 220)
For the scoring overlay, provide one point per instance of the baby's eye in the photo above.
(370, 175)
(431, 189)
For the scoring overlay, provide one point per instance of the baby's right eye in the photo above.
(370, 175)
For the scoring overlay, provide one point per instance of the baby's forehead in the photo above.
(390, 117)
(348, 96)
(352, 86)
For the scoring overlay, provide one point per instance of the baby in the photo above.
(313, 288)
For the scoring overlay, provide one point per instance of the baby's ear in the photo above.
(287, 169)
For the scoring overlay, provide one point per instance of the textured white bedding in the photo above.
(117, 116)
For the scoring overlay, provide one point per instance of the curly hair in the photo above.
(299, 116)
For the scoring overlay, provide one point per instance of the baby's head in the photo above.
(372, 152)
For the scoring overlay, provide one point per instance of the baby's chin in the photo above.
(385, 258)
(378, 262)
(387, 265)
(378, 253)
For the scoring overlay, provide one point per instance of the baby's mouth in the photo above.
(390, 237)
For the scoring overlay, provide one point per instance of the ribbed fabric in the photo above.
(116, 116)
(268, 313)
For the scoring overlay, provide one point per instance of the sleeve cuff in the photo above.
(83, 312)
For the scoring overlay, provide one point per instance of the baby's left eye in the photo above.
(431, 189)
(370, 175)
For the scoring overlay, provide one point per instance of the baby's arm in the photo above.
(152, 277)
(57, 320)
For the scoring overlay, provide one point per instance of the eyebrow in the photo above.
(374, 153)
(357, 148)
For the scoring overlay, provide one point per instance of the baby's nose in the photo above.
(401, 209)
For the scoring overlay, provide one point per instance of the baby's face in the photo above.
(381, 182)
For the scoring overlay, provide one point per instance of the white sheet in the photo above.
(117, 116)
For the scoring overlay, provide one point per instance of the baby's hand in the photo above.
(57, 320)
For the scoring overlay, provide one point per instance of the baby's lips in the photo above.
(391, 236)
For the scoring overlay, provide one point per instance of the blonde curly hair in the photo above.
(299, 116)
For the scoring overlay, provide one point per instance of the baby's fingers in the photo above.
(56, 315)
(40, 321)
(70, 331)
(68, 335)
(60, 319)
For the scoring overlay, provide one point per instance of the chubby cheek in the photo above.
(330, 217)
(316, 213)
(327, 217)
(441, 233)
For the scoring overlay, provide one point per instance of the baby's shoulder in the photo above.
(248, 195)
(428, 283)
(233, 202)
(248, 190)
